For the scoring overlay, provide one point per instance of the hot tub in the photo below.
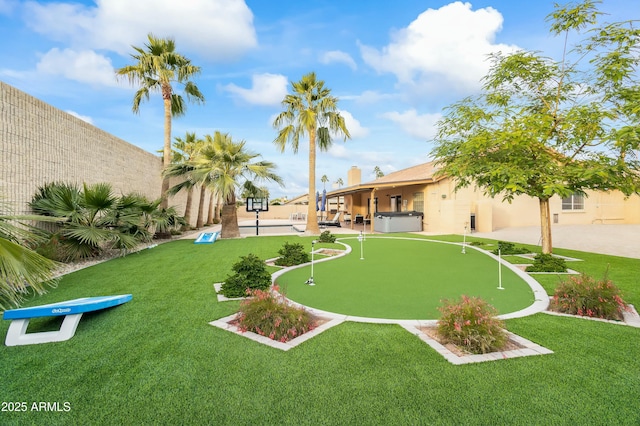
(398, 221)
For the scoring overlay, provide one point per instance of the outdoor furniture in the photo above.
(72, 311)
(359, 219)
(347, 218)
(333, 222)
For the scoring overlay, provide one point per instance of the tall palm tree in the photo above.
(158, 67)
(312, 111)
(227, 166)
(184, 150)
(377, 172)
(324, 179)
(339, 182)
(21, 268)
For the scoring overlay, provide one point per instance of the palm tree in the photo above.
(180, 167)
(339, 182)
(21, 268)
(226, 166)
(312, 111)
(93, 218)
(158, 66)
(324, 179)
(377, 172)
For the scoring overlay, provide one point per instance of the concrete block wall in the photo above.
(40, 144)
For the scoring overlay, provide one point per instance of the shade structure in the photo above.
(323, 202)
(317, 201)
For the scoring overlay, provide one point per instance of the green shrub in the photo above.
(472, 325)
(544, 262)
(270, 315)
(292, 254)
(506, 247)
(250, 273)
(477, 243)
(585, 296)
(327, 237)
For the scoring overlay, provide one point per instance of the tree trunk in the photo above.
(545, 226)
(211, 209)
(312, 216)
(200, 221)
(187, 209)
(230, 227)
(166, 156)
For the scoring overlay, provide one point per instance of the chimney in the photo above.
(354, 176)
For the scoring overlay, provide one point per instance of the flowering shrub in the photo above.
(545, 262)
(585, 296)
(471, 324)
(250, 272)
(270, 315)
(292, 254)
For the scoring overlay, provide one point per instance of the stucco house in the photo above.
(449, 211)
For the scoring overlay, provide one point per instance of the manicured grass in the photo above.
(155, 360)
(404, 279)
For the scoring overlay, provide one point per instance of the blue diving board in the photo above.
(72, 311)
(207, 238)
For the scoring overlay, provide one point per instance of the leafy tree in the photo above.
(545, 127)
(226, 166)
(312, 111)
(158, 67)
(21, 268)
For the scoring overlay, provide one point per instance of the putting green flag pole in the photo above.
(500, 270)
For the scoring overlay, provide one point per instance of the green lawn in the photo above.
(155, 360)
(404, 279)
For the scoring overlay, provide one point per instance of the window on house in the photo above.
(418, 201)
(573, 202)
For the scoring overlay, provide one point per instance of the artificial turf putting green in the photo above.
(404, 279)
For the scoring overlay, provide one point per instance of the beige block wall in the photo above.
(40, 144)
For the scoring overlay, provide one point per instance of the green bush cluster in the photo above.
(268, 314)
(585, 296)
(292, 254)
(545, 262)
(250, 273)
(506, 248)
(472, 325)
(327, 237)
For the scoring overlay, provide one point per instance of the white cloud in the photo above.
(7, 6)
(355, 128)
(218, 29)
(85, 66)
(419, 126)
(266, 89)
(338, 56)
(443, 49)
(81, 117)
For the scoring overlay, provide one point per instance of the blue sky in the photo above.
(393, 65)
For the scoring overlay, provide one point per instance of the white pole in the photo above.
(310, 280)
(464, 239)
(500, 270)
(361, 239)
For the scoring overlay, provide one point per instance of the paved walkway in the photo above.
(617, 240)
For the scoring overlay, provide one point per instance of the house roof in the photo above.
(419, 174)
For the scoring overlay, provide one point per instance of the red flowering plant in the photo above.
(585, 296)
(269, 314)
(472, 325)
